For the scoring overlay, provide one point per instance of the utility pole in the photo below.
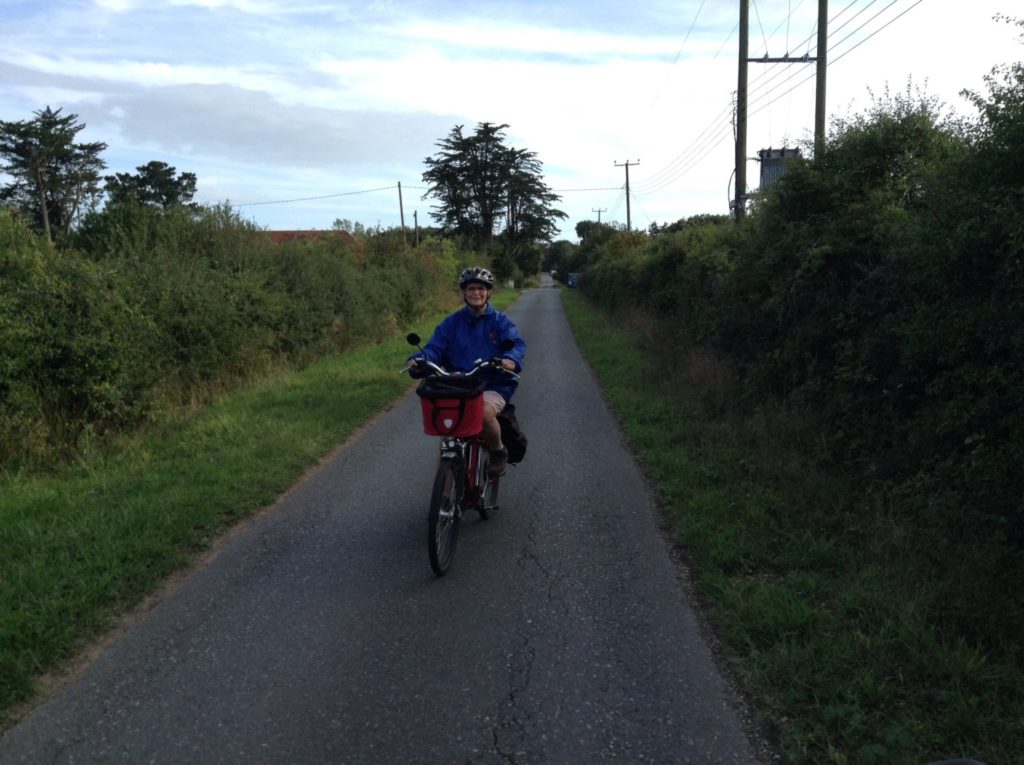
(819, 94)
(599, 211)
(740, 202)
(416, 224)
(629, 222)
(401, 214)
(741, 94)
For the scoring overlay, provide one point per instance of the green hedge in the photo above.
(149, 309)
(880, 290)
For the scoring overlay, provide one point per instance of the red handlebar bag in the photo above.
(452, 406)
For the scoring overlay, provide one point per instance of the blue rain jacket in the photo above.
(462, 338)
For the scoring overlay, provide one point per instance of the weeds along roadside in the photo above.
(804, 575)
(145, 311)
(83, 545)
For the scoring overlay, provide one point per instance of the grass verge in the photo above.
(835, 644)
(83, 545)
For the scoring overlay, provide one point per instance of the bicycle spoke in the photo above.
(443, 519)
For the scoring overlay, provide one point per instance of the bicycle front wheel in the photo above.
(445, 513)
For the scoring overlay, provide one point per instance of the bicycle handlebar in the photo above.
(478, 365)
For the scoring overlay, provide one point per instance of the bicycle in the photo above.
(452, 408)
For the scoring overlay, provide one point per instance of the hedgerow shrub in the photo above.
(880, 289)
(75, 347)
(152, 307)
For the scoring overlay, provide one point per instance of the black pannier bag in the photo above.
(512, 435)
(451, 406)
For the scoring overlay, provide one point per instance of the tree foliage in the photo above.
(874, 299)
(530, 216)
(55, 179)
(595, 237)
(156, 184)
(880, 288)
(355, 228)
(150, 306)
(487, 191)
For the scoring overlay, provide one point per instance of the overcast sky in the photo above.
(272, 101)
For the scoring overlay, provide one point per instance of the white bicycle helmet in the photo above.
(477, 274)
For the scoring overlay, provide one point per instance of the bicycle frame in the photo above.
(462, 481)
(470, 452)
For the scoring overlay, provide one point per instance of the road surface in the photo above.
(318, 634)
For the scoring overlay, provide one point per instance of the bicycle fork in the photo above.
(458, 450)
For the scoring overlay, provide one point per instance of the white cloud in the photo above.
(300, 99)
(479, 36)
(246, 6)
(117, 6)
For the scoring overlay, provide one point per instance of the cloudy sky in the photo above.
(299, 113)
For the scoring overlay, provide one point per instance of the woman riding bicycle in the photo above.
(474, 332)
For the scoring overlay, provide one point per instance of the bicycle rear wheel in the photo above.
(445, 513)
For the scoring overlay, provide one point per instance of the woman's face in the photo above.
(476, 295)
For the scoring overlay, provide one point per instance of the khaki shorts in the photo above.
(494, 400)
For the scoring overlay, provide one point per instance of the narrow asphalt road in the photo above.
(319, 634)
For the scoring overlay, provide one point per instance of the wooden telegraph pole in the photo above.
(741, 95)
(819, 94)
(740, 202)
(401, 214)
(629, 222)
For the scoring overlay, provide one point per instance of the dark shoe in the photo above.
(499, 463)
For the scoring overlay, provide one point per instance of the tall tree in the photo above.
(530, 217)
(479, 182)
(156, 184)
(54, 177)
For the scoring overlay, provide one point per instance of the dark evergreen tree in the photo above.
(530, 217)
(156, 184)
(479, 183)
(55, 179)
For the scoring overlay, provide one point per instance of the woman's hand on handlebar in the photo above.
(417, 367)
(505, 366)
(422, 367)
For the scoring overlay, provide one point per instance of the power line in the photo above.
(775, 70)
(691, 160)
(678, 54)
(656, 181)
(682, 157)
(686, 158)
(323, 196)
(848, 50)
(713, 136)
(895, 18)
(760, 25)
